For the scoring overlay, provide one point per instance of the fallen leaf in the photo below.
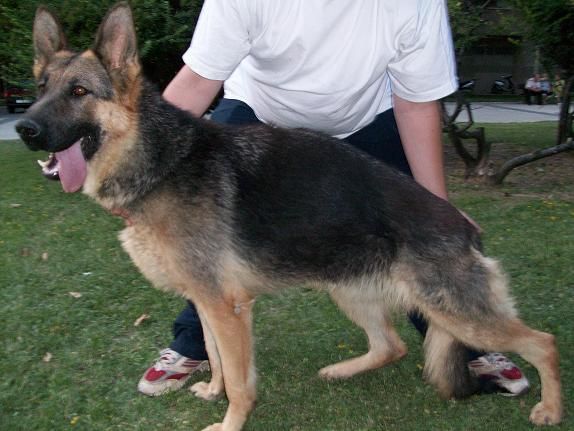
(47, 357)
(74, 420)
(75, 294)
(45, 256)
(140, 319)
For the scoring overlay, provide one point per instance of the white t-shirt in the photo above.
(328, 65)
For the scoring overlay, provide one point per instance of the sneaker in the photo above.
(169, 373)
(497, 369)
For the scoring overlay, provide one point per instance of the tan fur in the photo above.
(368, 312)
(120, 122)
(437, 344)
(499, 294)
(226, 318)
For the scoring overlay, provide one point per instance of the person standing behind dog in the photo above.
(369, 73)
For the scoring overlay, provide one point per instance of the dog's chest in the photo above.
(149, 255)
(174, 252)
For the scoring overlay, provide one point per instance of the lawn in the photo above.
(69, 296)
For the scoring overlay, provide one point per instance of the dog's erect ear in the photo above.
(48, 38)
(116, 43)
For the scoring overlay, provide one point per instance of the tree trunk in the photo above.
(500, 174)
(475, 165)
(565, 122)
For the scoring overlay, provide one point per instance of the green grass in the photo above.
(532, 136)
(53, 243)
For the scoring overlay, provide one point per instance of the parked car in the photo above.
(19, 96)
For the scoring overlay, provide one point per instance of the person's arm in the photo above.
(191, 92)
(421, 134)
(420, 129)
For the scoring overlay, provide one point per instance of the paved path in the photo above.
(500, 112)
(482, 112)
(7, 122)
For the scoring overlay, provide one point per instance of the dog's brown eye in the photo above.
(79, 91)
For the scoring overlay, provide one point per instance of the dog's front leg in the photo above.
(214, 389)
(230, 324)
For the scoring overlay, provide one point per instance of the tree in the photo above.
(550, 25)
(466, 20)
(164, 31)
(16, 41)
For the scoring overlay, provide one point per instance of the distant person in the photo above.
(532, 88)
(558, 87)
(545, 87)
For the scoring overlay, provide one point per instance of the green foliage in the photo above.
(466, 19)
(164, 31)
(16, 40)
(550, 24)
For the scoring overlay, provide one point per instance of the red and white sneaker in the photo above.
(169, 373)
(498, 369)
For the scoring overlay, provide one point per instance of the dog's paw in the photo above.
(543, 414)
(206, 391)
(214, 427)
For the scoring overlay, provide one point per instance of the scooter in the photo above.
(502, 85)
(467, 86)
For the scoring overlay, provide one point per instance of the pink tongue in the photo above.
(72, 168)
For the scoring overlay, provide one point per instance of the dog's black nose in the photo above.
(28, 129)
(30, 132)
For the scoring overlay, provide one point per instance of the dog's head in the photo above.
(84, 97)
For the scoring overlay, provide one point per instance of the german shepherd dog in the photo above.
(221, 214)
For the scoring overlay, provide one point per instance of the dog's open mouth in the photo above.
(68, 166)
(50, 167)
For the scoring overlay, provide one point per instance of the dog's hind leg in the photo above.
(512, 335)
(366, 308)
(485, 320)
(539, 348)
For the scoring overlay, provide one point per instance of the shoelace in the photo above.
(499, 360)
(167, 357)
(507, 368)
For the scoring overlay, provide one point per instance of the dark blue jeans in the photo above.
(380, 139)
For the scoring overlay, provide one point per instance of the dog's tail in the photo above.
(446, 364)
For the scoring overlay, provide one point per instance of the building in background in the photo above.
(501, 50)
